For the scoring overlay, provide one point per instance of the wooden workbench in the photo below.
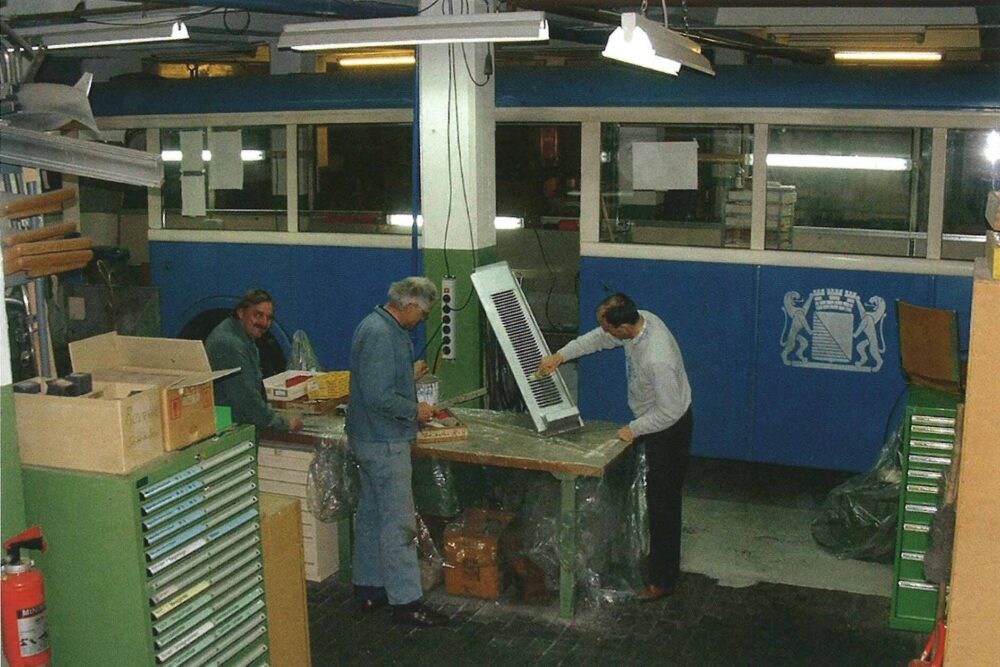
(508, 440)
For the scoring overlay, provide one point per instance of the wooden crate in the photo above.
(428, 433)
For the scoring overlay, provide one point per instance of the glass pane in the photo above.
(538, 175)
(970, 174)
(245, 196)
(854, 190)
(353, 177)
(659, 188)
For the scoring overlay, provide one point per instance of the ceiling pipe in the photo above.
(555, 5)
(326, 8)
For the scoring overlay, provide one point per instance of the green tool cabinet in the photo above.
(928, 448)
(160, 566)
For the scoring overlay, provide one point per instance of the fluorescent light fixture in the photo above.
(82, 158)
(507, 222)
(206, 155)
(404, 220)
(992, 150)
(500, 222)
(81, 35)
(420, 29)
(645, 43)
(867, 162)
(888, 56)
(377, 61)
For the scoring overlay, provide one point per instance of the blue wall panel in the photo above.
(729, 321)
(323, 290)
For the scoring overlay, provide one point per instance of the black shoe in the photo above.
(370, 606)
(418, 616)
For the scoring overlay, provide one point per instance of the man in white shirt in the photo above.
(660, 399)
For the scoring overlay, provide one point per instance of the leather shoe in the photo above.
(419, 616)
(372, 605)
(653, 592)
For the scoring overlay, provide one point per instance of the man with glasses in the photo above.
(382, 419)
(232, 344)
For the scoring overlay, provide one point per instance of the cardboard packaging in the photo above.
(288, 385)
(445, 427)
(332, 385)
(993, 254)
(113, 429)
(472, 553)
(284, 581)
(179, 367)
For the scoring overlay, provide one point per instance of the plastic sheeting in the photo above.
(858, 518)
(612, 521)
(332, 482)
(303, 356)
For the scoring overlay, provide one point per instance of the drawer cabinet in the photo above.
(928, 448)
(284, 471)
(160, 566)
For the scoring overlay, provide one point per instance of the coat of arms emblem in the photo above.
(833, 328)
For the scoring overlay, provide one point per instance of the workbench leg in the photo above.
(567, 545)
(344, 544)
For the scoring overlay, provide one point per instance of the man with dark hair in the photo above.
(660, 399)
(231, 344)
(382, 419)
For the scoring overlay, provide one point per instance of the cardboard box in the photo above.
(472, 553)
(284, 387)
(179, 367)
(113, 429)
(284, 581)
(993, 253)
(335, 384)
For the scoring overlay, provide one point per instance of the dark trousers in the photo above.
(667, 460)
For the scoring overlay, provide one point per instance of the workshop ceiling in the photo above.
(732, 32)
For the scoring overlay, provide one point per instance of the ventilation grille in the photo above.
(547, 398)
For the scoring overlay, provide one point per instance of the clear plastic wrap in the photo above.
(612, 522)
(431, 561)
(332, 483)
(303, 356)
(858, 518)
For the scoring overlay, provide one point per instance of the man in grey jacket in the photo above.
(382, 419)
(660, 399)
(232, 344)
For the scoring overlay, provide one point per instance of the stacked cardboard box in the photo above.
(780, 207)
(472, 553)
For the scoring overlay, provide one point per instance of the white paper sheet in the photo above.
(225, 172)
(665, 165)
(191, 147)
(193, 195)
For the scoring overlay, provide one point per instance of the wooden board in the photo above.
(47, 232)
(27, 206)
(43, 247)
(973, 612)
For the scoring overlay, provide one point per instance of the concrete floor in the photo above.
(755, 591)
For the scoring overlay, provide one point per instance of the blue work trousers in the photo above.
(385, 528)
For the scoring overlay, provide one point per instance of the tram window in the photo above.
(856, 190)
(355, 178)
(642, 203)
(258, 204)
(972, 171)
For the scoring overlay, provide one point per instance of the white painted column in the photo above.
(457, 158)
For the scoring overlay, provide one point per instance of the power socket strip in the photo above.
(448, 296)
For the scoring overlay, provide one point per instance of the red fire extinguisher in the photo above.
(22, 591)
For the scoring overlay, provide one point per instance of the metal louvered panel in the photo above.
(547, 398)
